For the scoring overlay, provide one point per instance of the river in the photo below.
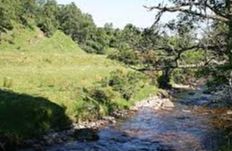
(189, 126)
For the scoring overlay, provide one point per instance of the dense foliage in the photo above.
(50, 16)
(118, 91)
(213, 20)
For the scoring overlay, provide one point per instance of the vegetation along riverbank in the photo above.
(62, 74)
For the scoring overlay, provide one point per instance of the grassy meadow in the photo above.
(55, 76)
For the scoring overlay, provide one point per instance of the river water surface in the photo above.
(189, 126)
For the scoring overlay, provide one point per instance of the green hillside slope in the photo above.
(26, 39)
(42, 81)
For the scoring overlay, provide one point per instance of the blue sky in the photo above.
(119, 12)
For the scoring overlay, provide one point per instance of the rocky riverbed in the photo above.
(87, 131)
(183, 123)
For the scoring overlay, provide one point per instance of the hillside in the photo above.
(33, 39)
(42, 80)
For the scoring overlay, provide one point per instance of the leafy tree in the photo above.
(101, 40)
(69, 20)
(79, 26)
(218, 13)
(129, 37)
(7, 14)
(46, 20)
(27, 12)
(112, 35)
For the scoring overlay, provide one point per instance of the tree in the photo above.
(27, 11)
(130, 36)
(47, 17)
(217, 12)
(98, 42)
(111, 34)
(79, 26)
(8, 13)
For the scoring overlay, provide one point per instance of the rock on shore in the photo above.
(154, 102)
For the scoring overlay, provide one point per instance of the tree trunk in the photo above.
(164, 79)
(229, 40)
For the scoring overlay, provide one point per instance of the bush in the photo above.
(111, 94)
(101, 94)
(47, 26)
(96, 102)
(126, 56)
(126, 83)
(216, 79)
(86, 110)
(93, 47)
(184, 76)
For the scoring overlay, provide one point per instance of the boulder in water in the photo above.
(229, 112)
(191, 93)
(207, 92)
(167, 104)
(86, 134)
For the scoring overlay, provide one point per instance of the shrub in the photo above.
(126, 83)
(101, 94)
(126, 56)
(47, 27)
(93, 47)
(86, 110)
(111, 94)
(88, 49)
(216, 79)
(96, 102)
(184, 76)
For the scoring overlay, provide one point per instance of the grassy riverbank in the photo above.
(42, 90)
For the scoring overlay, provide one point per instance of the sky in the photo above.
(118, 12)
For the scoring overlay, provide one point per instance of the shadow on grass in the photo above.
(23, 116)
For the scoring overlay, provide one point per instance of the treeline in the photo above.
(50, 16)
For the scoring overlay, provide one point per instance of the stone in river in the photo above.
(229, 112)
(86, 134)
(191, 93)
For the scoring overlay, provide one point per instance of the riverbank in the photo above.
(87, 131)
(37, 98)
(159, 120)
(189, 125)
(160, 101)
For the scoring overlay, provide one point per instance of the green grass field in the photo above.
(52, 70)
(56, 76)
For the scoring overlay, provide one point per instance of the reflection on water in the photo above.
(188, 127)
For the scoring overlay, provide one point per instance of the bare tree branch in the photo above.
(194, 47)
(215, 10)
(184, 9)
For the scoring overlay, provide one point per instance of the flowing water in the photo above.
(189, 126)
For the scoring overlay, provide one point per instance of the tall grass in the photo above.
(56, 76)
